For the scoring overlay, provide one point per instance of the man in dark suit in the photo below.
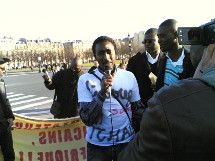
(142, 64)
(64, 83)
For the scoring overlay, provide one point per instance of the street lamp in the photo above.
(39, 60)
(129, 44)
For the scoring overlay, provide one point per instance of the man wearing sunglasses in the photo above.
(143, 64)
(6, 118)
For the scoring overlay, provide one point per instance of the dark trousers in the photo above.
(6, 143)
(106, 153)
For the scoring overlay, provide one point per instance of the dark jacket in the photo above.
(178, 125)
(188, 69)
(4, 102)
(141, 69)
(65, 84)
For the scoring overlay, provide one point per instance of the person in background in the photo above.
(63, 66)
(175, 64)
(96, 64)
(64, 83)
(6, 118)
(108, 122)
(122, 66)
(179, 121)
(143, 64)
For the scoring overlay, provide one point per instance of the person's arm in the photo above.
(91, 106)
(91, 112)
(50, 83)
(9, 113)
(152, 142)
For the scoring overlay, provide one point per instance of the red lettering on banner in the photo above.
(67, 135)
(59, 155)
(40, 156)
(74, 155)
(29, 156)
(28, 126)
(64, 135)
(59, 136)
(77, 132)
(83, 152)
(66, 155)
(21, 158)
(42, 138)
(49, 156)
(52, 136)
(18, 125)
(47, 125)
(38, 126)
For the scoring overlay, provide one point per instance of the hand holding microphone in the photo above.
(108, 71)
(107, 82)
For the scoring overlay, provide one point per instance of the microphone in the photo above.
(108, 71)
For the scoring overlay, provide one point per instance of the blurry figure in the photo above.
(63, 66)
(96, 64)
(65, 84)
(6, 119)
(32, 68)
(49, 67)
(122, 66)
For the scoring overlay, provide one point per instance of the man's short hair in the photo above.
(172, 24)
(151, 30)
(102, 39)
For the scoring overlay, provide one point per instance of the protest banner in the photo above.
(49, 139)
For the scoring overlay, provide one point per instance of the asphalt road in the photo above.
(28, 95)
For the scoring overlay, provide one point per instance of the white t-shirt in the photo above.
(115, 125)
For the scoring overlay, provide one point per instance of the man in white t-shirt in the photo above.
(109, 124)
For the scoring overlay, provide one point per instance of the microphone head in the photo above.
(107, 70)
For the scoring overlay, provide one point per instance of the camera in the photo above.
(202, 35)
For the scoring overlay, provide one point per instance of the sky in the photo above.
(87, 19)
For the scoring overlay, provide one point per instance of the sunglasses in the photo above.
(148, 41)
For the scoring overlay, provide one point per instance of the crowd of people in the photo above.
(177, 109)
